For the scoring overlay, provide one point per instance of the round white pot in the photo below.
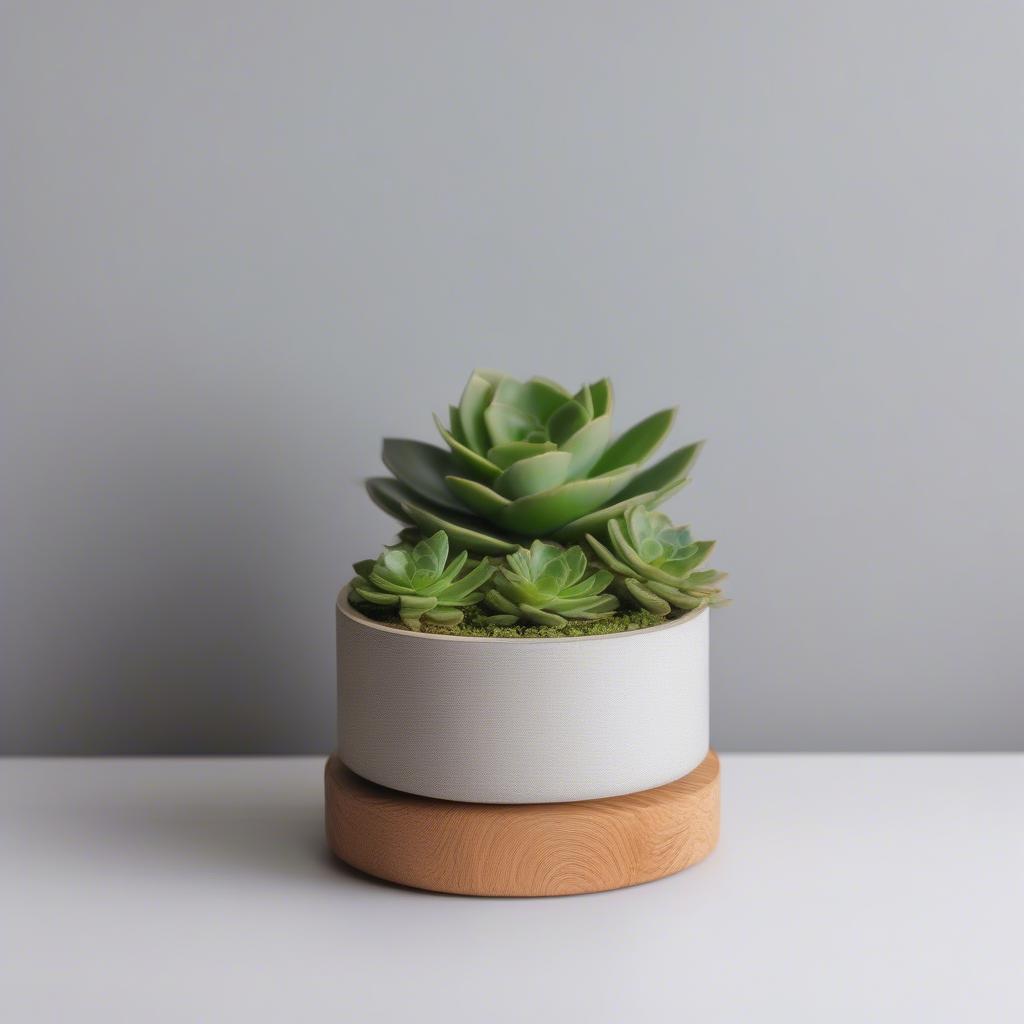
(521, 721)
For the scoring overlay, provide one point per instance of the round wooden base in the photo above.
(522, 849)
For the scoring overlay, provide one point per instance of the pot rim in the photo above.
(355, 615)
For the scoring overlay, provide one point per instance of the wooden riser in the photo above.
(522, 849)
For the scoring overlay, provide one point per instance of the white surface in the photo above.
(509, 721)
(845, 888)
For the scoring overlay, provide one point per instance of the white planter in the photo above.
(521, 721)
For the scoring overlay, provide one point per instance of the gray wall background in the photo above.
(240, 242)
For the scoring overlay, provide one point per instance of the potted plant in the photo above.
(537, 638)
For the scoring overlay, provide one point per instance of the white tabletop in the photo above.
(845, 888)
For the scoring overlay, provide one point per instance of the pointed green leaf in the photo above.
(587, 445)
(589, 587)
(422, 468)
(637, 443)
(608, 557)
(507, 424)
(564, 393)
(478, 497)
(537, 398)
(383, 579)
(519, 562)
(388, 494)
(601, 393)
(398, 562)
(473, 580)
(376, 596)
(647, 599)
(456, 424)
(702, 549)
(472, 406)
(461, 532)
(476, 463)
(535, 474)
(450, 573)
(493, 377)
(665, 493)
(675, 596)
(705, 578)
(432, 552)
(566, 420)
(502, 620)
(595, 522)
(504, 455)
(444, 616)
(667, 472)
(540, 514)
(542, 618)
(588, 607)
(499, 601)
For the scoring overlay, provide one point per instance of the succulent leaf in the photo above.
(455, 424)
(534, 474)
(601, 395)
(566, 421)
(388, 494)
(472, 407)
(536, 398)
(596, 522)
(507, 424)
(646, 599)
(460, 532)
(478, 497)
(585, 399)
(667, 472)
(473, 461)
(505, 455)
(587, 445)
(540, 617)
(637, 443)
(541, 514)
(422, 468)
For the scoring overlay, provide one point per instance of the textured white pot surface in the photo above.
(522, 721)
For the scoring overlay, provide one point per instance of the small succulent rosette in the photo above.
(657, 564)
(547, 586)
(420, 583)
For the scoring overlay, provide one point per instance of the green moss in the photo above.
(474, 625)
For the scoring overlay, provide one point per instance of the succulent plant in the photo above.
(548, 585)
(416, 580)
(656, 563)
(526, 460)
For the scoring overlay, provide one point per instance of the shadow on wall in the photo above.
(186, 597)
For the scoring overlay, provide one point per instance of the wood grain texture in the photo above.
(555, 849)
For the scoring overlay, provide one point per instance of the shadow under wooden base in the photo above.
(522, 849)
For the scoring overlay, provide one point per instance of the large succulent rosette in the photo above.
(528, 460)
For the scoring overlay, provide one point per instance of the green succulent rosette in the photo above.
(657, 564)
(548, 585)
(527, 460)
(420, 583)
